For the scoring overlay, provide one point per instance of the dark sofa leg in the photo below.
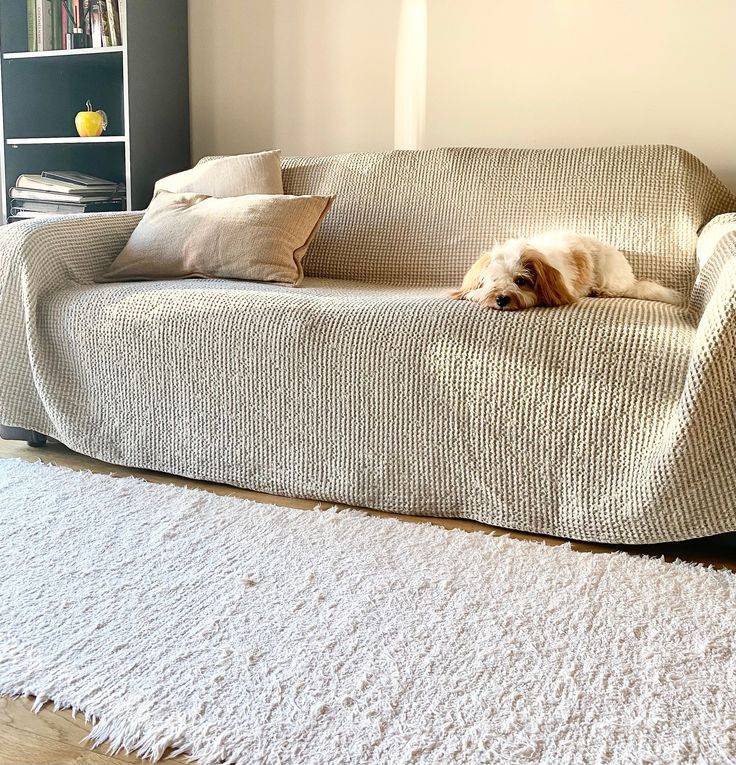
(37, 440)
(31, 437)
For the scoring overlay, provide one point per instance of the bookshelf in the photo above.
(143, 86)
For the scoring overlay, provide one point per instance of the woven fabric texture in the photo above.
(609, 420)
(229, 176)
(422, 217)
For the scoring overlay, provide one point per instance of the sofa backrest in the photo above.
(422, 217)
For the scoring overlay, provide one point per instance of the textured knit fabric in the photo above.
(610, 420)
(229, 176)
(262, 237)
(422, 217)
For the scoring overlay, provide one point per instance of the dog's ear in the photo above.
(549, 285)
(472, 279)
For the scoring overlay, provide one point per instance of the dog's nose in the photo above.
(502, 300)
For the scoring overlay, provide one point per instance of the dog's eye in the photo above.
(520, 281)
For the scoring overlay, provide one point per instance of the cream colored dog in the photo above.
(552, 269)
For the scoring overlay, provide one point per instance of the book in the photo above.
(105, 24)
(31, 19)
(66, 26)
(113, 14)
(59, 209)
(44, 26)
(19, 206)
(23, 215)
(48, 184)
(57, 41)
(77, 14)
(123, 19)
(95, 22)
(85, 7)
(72, 176)
(39, 18)
(55, 196)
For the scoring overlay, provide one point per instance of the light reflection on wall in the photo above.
(410, 95)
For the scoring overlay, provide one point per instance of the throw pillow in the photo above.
(256, 237)
(229, 176)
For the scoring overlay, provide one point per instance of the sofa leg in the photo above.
(37, 440)
(31, 437)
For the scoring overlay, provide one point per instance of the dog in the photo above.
(554, 269)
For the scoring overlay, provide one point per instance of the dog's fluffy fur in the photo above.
(553, 269)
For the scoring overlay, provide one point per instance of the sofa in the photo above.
(611, 420)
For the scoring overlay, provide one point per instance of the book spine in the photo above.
(56, 11)
(77, 14)
(95, 18)
(49, 34)
(113, 14)
(39, 24)
(45, 26)
(105, 24)
(32, 36)
(86, 20)
(123, 16)
(65, 26)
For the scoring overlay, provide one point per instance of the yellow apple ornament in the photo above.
(90, 124)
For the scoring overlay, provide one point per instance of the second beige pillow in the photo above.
(257, 237)
(229, 176)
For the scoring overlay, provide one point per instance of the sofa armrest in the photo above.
(714, 292)
(710, 384)
(59, 250)
(697, 450)
(38, 258)
(713, 301)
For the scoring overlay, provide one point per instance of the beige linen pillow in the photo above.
(229, 176)
(256, 237)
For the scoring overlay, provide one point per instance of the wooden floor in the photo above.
(55, 738)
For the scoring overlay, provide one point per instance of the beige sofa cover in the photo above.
(610, 420)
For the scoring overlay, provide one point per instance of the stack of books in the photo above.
(62, 24)
(63, 192)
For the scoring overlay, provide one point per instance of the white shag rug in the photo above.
(246, 633)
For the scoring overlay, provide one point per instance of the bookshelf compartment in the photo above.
(42, 98)
(14, 24)
(103, 160)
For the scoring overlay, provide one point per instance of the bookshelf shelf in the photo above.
(71, 139)
(64, 53)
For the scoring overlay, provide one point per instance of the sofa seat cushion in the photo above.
(553, 420)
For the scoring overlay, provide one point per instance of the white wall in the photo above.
(230, 75)
(306, 76)
(318, 76)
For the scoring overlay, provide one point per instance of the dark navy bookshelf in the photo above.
(142, 85)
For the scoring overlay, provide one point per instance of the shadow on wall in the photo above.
(231, 75)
